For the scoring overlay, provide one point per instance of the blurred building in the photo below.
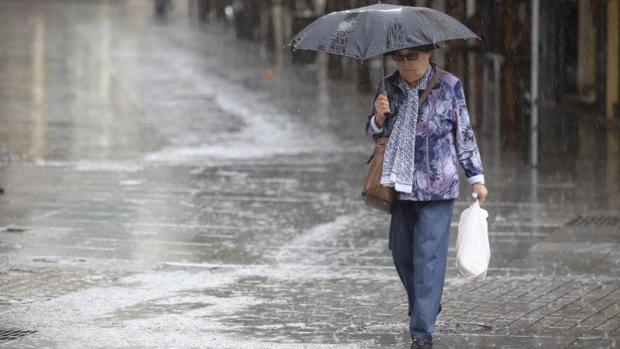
(579, 53)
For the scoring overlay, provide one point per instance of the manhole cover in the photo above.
(600, 221)
(384, 327)
(462, 327)
(10, 334)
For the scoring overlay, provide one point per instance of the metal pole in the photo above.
(534, 84)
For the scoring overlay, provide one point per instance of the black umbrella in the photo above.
(373, 30)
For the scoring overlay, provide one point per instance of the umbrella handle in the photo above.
(386, 115)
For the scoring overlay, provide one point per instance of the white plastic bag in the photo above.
(473, 251)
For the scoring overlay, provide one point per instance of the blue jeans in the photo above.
(419, 238)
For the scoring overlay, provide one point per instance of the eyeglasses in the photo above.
(409, 56)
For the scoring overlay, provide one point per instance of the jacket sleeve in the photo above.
(372, 131)
(465, 140)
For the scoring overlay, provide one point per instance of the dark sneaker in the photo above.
(419, 343)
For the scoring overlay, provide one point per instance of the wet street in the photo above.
(169, 186)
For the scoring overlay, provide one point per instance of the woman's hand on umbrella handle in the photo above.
(382, 106)
(480, 192)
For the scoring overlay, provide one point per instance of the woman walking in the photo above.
(426, 144)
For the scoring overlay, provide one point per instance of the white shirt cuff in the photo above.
(476, 179)
(373, 125)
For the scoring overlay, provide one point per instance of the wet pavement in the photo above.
(164, 189)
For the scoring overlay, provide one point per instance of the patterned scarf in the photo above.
(399, 158)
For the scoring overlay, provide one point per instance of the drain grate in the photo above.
(13, 230)
(599, 221)
(7, 334)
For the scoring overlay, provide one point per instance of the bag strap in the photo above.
(430, 86)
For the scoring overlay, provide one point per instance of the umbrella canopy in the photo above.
(373, 30)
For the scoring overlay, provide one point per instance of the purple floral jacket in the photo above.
(444, 138)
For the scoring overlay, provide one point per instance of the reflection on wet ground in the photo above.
(161, 191)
